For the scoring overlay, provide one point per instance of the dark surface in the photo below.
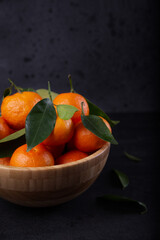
(111, 48)
(84, 219)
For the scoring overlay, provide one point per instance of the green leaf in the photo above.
(65, 112)
(44, 93)
(7, 92)
(9, 144)
(113, 122)
(125, 202)
(97, 111)
(40, 122)
(13, 136)
(123, 178)
(96, 125)
(131, 157)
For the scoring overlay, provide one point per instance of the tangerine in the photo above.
(5, 161)
(16, 107)
(70, 144)
(71, 156)
(86, 141)
(75, 100)
(5, 130)
(61, 134)
(56, 150)
(38, 156)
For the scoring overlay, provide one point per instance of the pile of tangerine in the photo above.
(69, 141)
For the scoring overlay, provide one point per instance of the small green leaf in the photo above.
(131, 157)
(44, 93)
(113, 122)
(125, 202)
(93, 109)
(96, 125)
(13, 136)
(40, 122)
(123, 178)
(9, 144)
(65, 112)
(7, 92)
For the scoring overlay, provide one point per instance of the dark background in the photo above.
(111, 49)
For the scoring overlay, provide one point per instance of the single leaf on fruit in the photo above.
(40, 122)
(13, 136)
(7, 92)
(123, 178)
(96, 125)
(9, 144)
(129, 204)
(44, 93)
(65, 112)
(131, 157)
(93, 109)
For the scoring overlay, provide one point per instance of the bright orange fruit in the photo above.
(86, 141)
(71, 156)
(61, 134)
(75, 100)
(16, 107)
(5, 130)
(56, 150)
(38, 156)
(5, 161)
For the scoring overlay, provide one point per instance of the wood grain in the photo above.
(48, 186)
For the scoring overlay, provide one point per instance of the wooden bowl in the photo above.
(49, 186)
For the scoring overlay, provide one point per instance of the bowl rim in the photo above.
(60, 166)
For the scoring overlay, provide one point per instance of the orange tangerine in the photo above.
(86, 141)
(61, 134)
(38, 156)
(71, 156)
(16, 107)
(5, 161)
(75, 100)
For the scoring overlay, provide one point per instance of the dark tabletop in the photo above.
(84, 218)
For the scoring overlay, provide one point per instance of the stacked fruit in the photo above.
(56, 131)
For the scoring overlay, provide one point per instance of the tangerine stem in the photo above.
(71, 84)
(18, 89)
(49, 91)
